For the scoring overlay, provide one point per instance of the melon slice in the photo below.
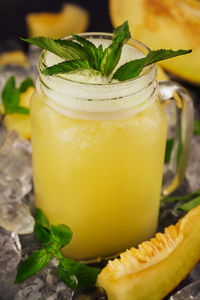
(164, 24)
(15, 57)
(71, 19)
(162, 75)
(157, 266)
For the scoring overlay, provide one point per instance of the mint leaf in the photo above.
(110, 58)
(60, 235)
(41, 228)
(90, 48)
(66, 49)
(196, 127)
(67, 66)
(191, 204)
(122, 29)
(168, 151)
(76, 274)
(99, 56)
(112, 53)
(26, 84)
(181, 198)
(41, 219)
(133, 68)
(21, 110)
(36, 262)
(11, 97)
(42, 233)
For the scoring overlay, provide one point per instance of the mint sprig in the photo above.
(11, 95)
(104, 61)
(54, 237)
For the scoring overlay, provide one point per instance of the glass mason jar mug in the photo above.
(98, 155)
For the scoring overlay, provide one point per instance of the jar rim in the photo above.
(42, 65)
(131, 96)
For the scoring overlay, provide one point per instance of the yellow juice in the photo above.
(101, 178)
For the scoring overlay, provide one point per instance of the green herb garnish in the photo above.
(181, 198)
(196, 127)
(168, 150)
(191, 200)
(11, 96)
(73, 273)
(83, 54)
(191, 204)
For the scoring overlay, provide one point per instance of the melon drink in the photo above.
(98, 154)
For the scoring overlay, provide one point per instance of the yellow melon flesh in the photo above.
(19, 122)
(164, 24)
(25, 97)
(162, 75)
(157, 266)
(71, 19)
(16, 57)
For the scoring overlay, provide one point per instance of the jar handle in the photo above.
(170, 90)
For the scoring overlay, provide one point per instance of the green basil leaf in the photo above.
(191, 204)
(196, 127)
(42, 233)
(90, 48)
(181, 198)
(66, 49)
(41, 219)
(26, 84)
(168, 151)
(34, 263)
(67, 66)
(61, 235)
(76, 274)
(133, 68)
